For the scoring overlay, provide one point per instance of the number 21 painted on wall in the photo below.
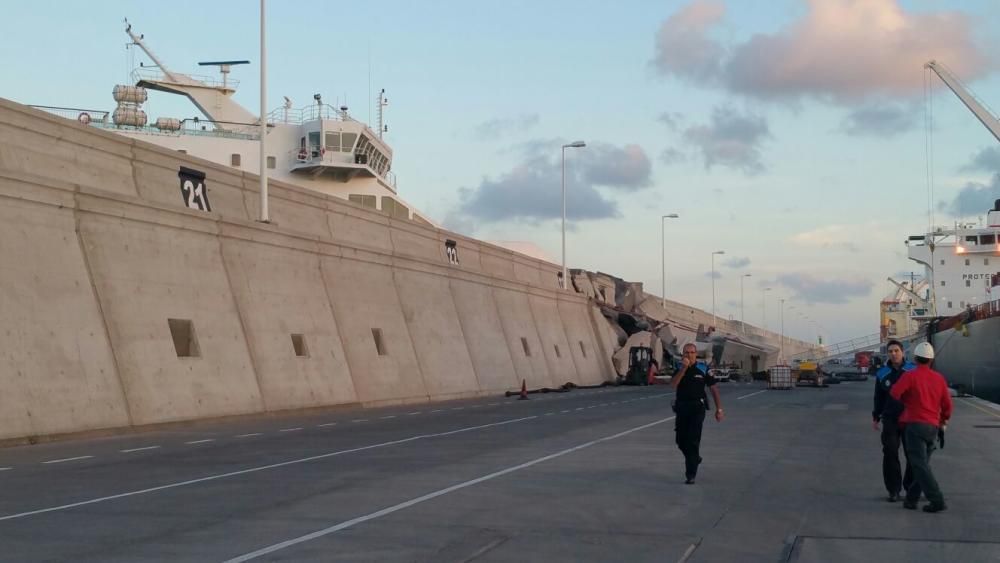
(193, 189)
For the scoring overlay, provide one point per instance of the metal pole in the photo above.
(781, 345)
(714, 321)
(565, 285)
(663, 262)
(264, 218)
(743, 320)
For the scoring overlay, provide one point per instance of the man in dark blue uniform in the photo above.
(690, 405)
(887, 410)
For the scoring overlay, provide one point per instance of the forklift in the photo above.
(639, 358)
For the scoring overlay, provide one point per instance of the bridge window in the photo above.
(394, 209)
(942, 261)
(234, 159)
(314, 143)
(942, 283)
(333, 141)
(347, 141)
(272, 162)
(968, 283)
(368, 201)
(966, 261)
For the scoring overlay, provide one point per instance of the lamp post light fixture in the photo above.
(573, 145)
(663, 258)
(714, 320)
(743, 320)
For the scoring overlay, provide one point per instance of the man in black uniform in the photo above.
(887, 410)
(690, 405)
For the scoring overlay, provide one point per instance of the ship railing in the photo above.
(973, 313)
(298, 116)
(156, 75)
(86, 116)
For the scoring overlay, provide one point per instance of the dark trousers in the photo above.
(892, 437)
(687, 426)
(918, 442)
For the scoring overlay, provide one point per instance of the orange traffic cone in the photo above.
(524, 390)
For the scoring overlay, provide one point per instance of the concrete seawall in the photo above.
(123, 307)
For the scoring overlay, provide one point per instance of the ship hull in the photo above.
(969, 357)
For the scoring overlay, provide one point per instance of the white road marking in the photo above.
(433, 495)
(687, 553)
(290, 429)
(494, 404)
(438, 410)
(6, 468)
(255, 469)
(250, 435)
(387, 417)
(201, 441)
(563, 412)
(65, 459)
(751, 394)
(138, 449)
(549, 414)
(360, 420)
(325, 424)
(457, 408)
(413, 413)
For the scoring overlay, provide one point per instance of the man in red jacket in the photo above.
(926, 409)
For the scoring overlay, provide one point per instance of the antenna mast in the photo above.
(382, 102)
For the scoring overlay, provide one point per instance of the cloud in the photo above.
(671, 119)
(975, 198)
(736, 262)
(731, 139)
(845, 237)
(879, 120)
(710, 274)
(531, 191)
(824, 290)
(986, 160)
(671, 155)
(624, 168)
(843, 51)
(496, 128)
(683, 47)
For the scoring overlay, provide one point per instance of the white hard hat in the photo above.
(924, 350)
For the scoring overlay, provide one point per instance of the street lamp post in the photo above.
(763, 300)
(663, 258)
(714, 320)
(743, 320)
(781, 341)
(573, 145)
(264, 216)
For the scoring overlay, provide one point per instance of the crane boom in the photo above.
(907, 291)
(984, 115)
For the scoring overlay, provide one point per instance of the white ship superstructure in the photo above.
(317, 146)
(960, 264)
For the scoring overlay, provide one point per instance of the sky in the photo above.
(791, 134)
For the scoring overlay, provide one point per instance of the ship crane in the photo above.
(968, 98)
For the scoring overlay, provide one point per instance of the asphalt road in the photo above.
(589, 475)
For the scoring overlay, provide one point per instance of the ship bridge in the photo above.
(334, 145)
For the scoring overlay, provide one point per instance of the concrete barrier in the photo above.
(123, 307)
